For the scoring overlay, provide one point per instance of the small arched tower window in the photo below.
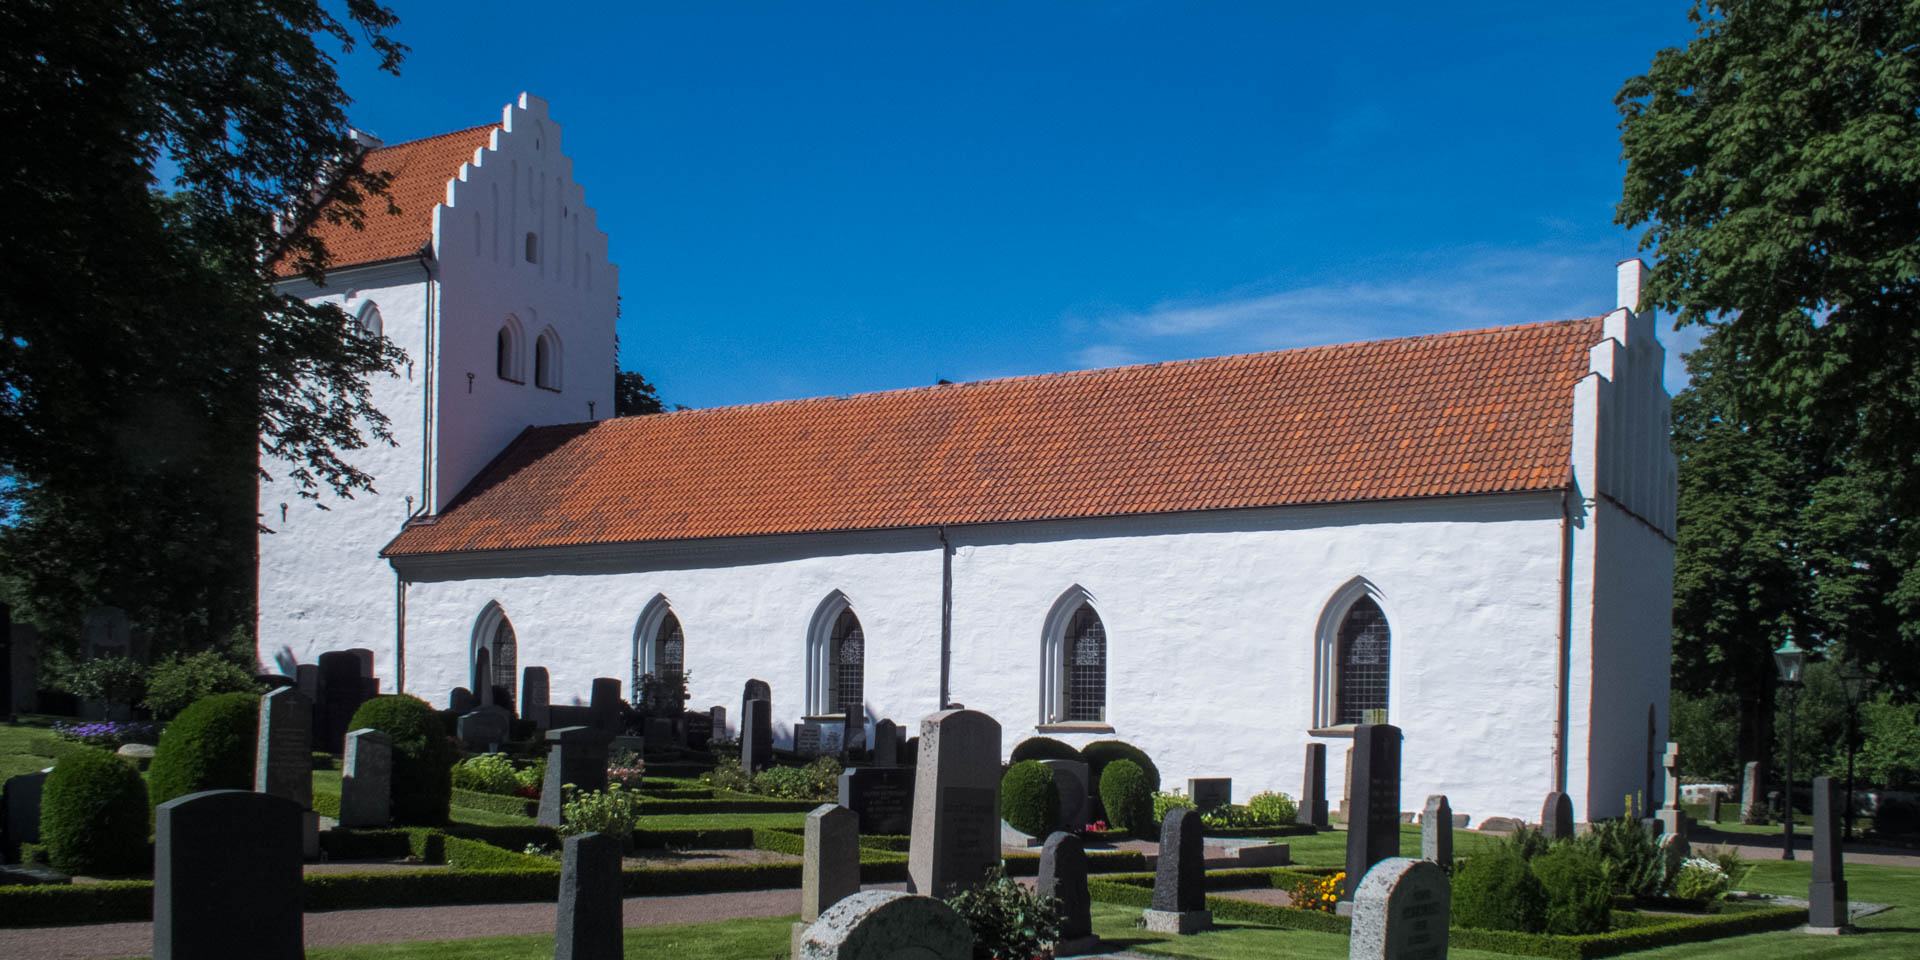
(1365, 659)
(370, 319)
(533, 247)
(546, 360)
(507, 351)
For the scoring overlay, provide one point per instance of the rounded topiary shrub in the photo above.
(422, 757)
(209, 746)
(1043, 748)
(1029, 800)
(1128, 797)
(1102, 752)
(1577, 897)
(93, 815)
(1494, 890)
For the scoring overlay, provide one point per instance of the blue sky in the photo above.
(831, 198)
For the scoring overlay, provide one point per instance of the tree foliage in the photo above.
(634, 396)
(1775, 162)
(146, 355)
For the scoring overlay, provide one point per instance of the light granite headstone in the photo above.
(1752, 810)
(1063, 878)
(1401, 911)
(1713, 807)
(226, 877)
(536, 697)
(956, 803)
(1373, 817)
(1313, 795)
(756, 736)
(1070, 779)
(830, 867)
(886, 744)
(1556, 816)
(882, 797)
(1209, 793)
(283, 754)
(887, 925)
(1180, 876)
(576, 756)
(719, 716)
(485, 728)
(1436, 831)
(589, 926)
(366, 779)
(1827, 893)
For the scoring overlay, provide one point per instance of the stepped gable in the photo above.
(1476, 412)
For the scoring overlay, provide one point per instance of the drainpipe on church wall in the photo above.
(428, 391)
(946, 618)
(399, 633)
(1563, 637)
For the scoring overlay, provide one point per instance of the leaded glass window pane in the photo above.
(1366, 654)
(670, 648)
(846, 664)
(505, 664)
(1086, 656)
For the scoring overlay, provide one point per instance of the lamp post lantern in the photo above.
(1854, 682)
(1789, 658)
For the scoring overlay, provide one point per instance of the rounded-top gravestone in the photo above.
(887, 925)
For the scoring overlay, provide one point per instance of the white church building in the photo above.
(1219, 560)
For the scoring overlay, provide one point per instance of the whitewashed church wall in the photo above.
(1631, 665)
(1212, 622)
(520, 185)
(322, 584)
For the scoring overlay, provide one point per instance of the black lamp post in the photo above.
(1789, 658)
(1854, 681)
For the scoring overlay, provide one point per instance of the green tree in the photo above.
(633, 395)
(146, 355)
(1775, 163)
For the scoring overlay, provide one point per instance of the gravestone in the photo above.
(606, 705)
(719, 715)
(1313, 795)
(1346, 789)
(1070, 779)
(1500, 825)
(853, 732)
(699, 727)
(342, 690)
(1401, 911)
(460, 701)
(956, 803)
(283, 752)
(1751, 811)
(366, 779)
(366, 666)
(485, 728)
(806, 739)
(536, 697)
(1210, 793)
(575, 755)
(20, 802)
(1063, 877)
(753, 690)
(306, 676)
(887, 925)
(1713, 807)
(1827, 893)
(589, 925)
(1373, 819)
(886, 744)
(1556, 816)
(1180, 877)
(226, 877)
(882, 797)
(1673, 819)
(756, 736)
(1436, 831)
(830, 866)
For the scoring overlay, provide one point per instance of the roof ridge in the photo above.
(438, 136)
(1096, 371)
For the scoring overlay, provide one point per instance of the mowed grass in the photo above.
(16, 746)
(1328, 848)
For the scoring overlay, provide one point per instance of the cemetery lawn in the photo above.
(16, 746)
(754, 939)
(1328, 848)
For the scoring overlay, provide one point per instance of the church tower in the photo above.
(493, 277)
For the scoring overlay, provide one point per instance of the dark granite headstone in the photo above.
(1070, 780)
(881, 796)
(659, 731)
(753, 690)
(699, 727)
(1063, 876)
(1373, 825)
(1436, 831)
(342, 690)
(366, 779)
(886, 744)
(461, 701)
(1401, 911)
(535, 697)
(577, 756)
(606, 705)
(20, 802)
(806, 739)
(589, 926)
(1208, 793)
(1180, 876)
(1827, 894)
(1556, 816)
(756, 735)
(1313, 797)
(306, 676)
(830, 864)
(283, 751)
(485, 728)
(226, 877)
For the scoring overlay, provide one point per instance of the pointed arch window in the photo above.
(836, 659)
(495, 658)
(1073, 663)
(507, 352)
(369, 319)
(1365, 661)
(546, 360)
(670, 648)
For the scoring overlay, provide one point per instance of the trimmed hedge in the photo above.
(1281, 830)
(1043, 748)
(209, 746)
(1494, 890)
(732, 803)
(1644, 937)
(1127, 795)
(1102, 752)
(1029, 799)
(94, 815)
(464, 854)
(494, 803)
(422, 782)
(1098, 861)
(54, 905)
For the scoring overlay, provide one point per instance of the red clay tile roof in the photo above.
(1482, 411)
(421, 169)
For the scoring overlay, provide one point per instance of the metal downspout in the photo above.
(1563, 641)
(946, 619)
